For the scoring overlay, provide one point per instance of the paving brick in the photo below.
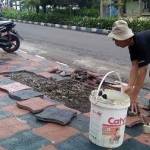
(11, 126)
(62, 106)
(45, 74)
(13, 109)
(131, 144)
(15, 68)
(58, 77)
(25, 94)
(5, 81)
(14, 87)
(78, 142)
(6, 101)
(144, 112)
(87, 114)
(4, 114)
(65, 73)
(144, 138)
(2, 93)
(55, 133)
(132, 121)
(56, 115)
(135, 131)
(146, 120)
(31, 121)
(2, 62)
(49, 147)
(53, 69)
(1, 148)
(35, 105)
(24, 141)
(147, 96)
(81, 123)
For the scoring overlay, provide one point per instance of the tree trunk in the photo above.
(37, 9)
(101, 8)
(16, 4)
(124, 6)
(140, 9)
(44, 8)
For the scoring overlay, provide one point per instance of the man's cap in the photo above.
(121, 31)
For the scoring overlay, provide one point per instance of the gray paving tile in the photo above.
(56, 115)
(81, 123)
(5, 101)
(4, 81)
(78, 142)
(57, 77)
(24, 141)
(25, 94)
(132, 144)
(136, 131)
(32, 121)
(4, 114)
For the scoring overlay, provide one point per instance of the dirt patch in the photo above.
(73, 93)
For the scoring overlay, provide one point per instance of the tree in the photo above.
(32, 4)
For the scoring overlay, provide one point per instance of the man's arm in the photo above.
(133, 74)
(138, 83)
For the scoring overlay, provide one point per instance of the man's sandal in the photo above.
(132, 113)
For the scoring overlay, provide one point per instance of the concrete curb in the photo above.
(67, 27)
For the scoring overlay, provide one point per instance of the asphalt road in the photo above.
(94, 51)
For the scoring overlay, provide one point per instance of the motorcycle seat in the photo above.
(2, 23)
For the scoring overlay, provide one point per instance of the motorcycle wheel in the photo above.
(15, 43)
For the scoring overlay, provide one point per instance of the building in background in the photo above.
(124, 8)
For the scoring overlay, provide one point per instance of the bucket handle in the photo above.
(100, 85)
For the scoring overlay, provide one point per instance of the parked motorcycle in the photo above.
(9, 37)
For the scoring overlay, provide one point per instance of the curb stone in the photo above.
(67, 27)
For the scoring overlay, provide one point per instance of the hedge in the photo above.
(57, 17)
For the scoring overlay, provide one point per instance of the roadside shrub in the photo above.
(63, 17)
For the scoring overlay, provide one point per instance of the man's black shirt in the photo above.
(140, 51)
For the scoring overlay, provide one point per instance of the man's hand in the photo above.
(128, 90)
(134, 105)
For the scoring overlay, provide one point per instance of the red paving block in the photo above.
(147, 96)
(15, 62)
(5, 68)
(144, 112)
(1, 148)
(132, 121)
(10, 126)
(49, 147)
(55, 133)
(87, 114)
(35, 105)
(14, 87)
(2, 93)
(144, 138)
(45, 74)
(61, 106)
(146, 120)
(15, 110)
(53, 69)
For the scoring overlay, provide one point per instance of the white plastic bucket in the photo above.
(108, 116)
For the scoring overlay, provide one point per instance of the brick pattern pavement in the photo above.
(20, 130)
